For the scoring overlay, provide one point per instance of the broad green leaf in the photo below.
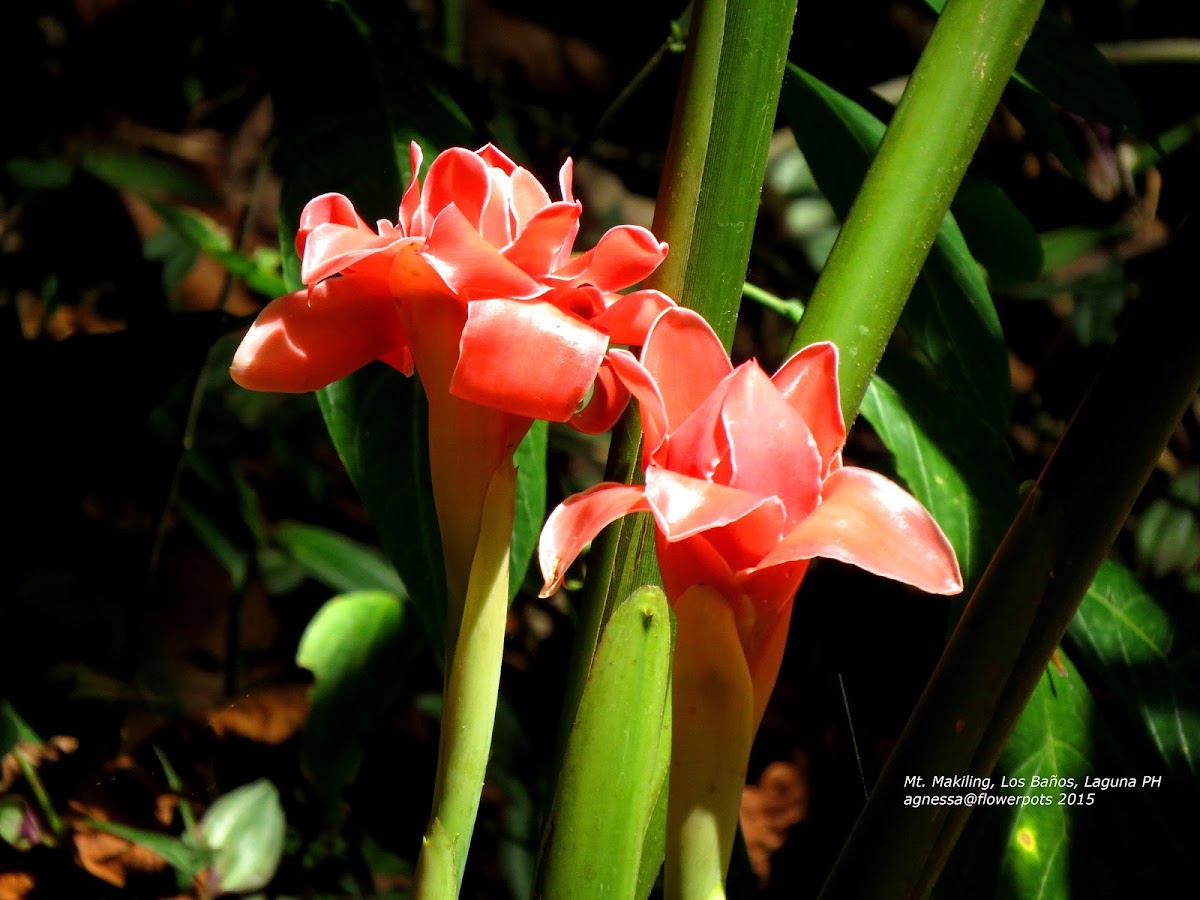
(1001, 239)
(260, 271)
(357, 647)
(530, 513)
(950, 315)
(185, 859)
(143, 174)
(378, 421)
(969, 490)
(612, 772)
(338, 562)
(1146, 662)
(244, 829)
(1073, 73)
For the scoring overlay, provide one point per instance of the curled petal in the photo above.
(628, 319)
(578, 520)
(495, 157)
(809, 382)
(537, 247)
(565, 177)
(529, 359)
(495, 221)
(469, 265)
(624, 256)
(458, 178)
(642, 386)
(685, 358)
(306, 340)
(870, 522)
(528, 197)
(608, 401)
(771, 449)
(412, 194)
(685, 506)
(333, 236)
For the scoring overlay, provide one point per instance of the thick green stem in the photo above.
(921, 161)
(1029, 592)
(469, 701)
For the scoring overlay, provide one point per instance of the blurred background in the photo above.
(172, 540)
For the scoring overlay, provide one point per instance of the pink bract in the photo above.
(745, 481)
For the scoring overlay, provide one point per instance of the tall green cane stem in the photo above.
(469, 701)
(1030, 591)
(921, 161)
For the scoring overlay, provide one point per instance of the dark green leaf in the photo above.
(1145, 661)
(1044, 125)
(144, 175)
(244, 829)
(338, 562)
(530, 513)
(378, 421)
(233, 558)
(1000, 237)
(356, 646)
(185, 859)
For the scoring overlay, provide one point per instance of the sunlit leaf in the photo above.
(356, 646)
(1143, 658)
(530, 513)
(244, 829)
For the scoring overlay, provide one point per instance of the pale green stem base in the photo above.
(713, 727)
(469, 704)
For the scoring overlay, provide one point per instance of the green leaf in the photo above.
(260, 271)
(13, 729)
(1042, 121)
(614, 769)
(378, 420)
(147, 175)
(530, 513)
(1001, 239)
(1145, 661)
(183, 858)
(335, 560)
(968, 488)
(357, 647)
(245, 830)
(234, 560)
(950, 315)
(14, 817)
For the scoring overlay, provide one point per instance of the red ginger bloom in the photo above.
(745, 481)
(476, 287)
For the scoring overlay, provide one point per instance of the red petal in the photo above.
(528, 197)
(628, 319)
(471, 266)
(529, 359)
(609, 399)
(496, 221)
(684, 506)
(809, 382)
(412, 194)
(685, 358)
(457, 178)
(494, 157)
(870, 522)
(565, 177)
(537, 247)
(306, 340)
(577, 521)
(771, 450)
(624, 256)
(650, 404)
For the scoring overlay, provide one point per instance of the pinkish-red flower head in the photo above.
(477, 278)
(745, 481)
